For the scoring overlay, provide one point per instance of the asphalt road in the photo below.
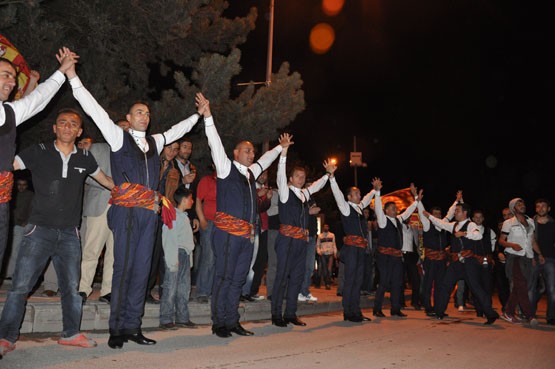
(461, 341)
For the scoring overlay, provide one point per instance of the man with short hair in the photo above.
(12, 114)
(235, 221)
(133, 216)
(517, 237)
(59, 171)
(545, 265)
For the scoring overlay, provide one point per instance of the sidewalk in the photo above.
(44, 314)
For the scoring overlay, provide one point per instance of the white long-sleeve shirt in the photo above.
(36, 101)
(472, 232)
(302, 193)
(113, 134)
(222, 162)
(344, 205)
(426, 222)
(382, 218)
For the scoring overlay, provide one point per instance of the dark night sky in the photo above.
(431, 89)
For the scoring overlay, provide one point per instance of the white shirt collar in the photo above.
(241, 168)
(139, 134)
(355, 206)
(298, 192)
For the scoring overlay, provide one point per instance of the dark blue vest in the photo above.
(391, 236)
(462, 243)
(355, 224)
(434, 239)
(483, 247)
(131, 164)
(236, 196)
(7, 140)
(294, 212)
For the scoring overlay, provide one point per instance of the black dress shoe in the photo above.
(417, 307)
(246, 298)
(399, 314)
(187, 324)
(550, 321)
(139, 339)
(106, 298)
(492, 319)
(278, 321)
(430, 314)
(116, 342)
(221, 332)
(353, 318)
(294, 321)
(378, 313)
(238, 329)
(82, 294)
(365, 318)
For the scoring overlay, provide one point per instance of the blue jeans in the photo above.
(4, 230)
(205, 276)
(177, 288)
(547, 271)
(39, 244)
(309, 269)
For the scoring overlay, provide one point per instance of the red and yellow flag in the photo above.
(8, 51)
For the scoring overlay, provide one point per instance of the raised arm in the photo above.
(321, 182)
(111, 132)
(285, 140)
(281, 180)
(342, 204)
(451, 211)
(219, 157)
(36, 101)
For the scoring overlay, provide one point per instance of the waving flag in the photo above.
(8, 51)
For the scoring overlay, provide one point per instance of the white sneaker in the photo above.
(533, 322)
(461, 308)
(311, 298)
(301, 298)
(258, 297)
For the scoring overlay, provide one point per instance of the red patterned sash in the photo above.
(356, 241)
(133, 195)
(464, 254)
(232, 225)
(390, 251)
(6, 185)
(435, 254)
(293, 232)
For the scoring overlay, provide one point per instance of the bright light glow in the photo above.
(333, 161)
(322, 37)
(332, 7)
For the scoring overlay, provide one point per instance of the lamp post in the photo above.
(356, 159)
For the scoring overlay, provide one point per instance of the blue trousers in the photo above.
(391, 278)
(470, 272)
(232, 256)
(134, 235)
(434, 270)
(291, 264)
(547, 271)
(38, 246)
(353, 257)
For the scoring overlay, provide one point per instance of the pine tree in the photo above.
(159, 51)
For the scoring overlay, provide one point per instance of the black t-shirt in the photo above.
(58, 188)
(546, 238)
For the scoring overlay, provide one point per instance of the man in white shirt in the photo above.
(517, 237)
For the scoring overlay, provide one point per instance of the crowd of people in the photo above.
(136, 200)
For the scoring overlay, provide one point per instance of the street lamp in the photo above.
(356, 159)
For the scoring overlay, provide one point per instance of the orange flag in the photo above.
(8, 51)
